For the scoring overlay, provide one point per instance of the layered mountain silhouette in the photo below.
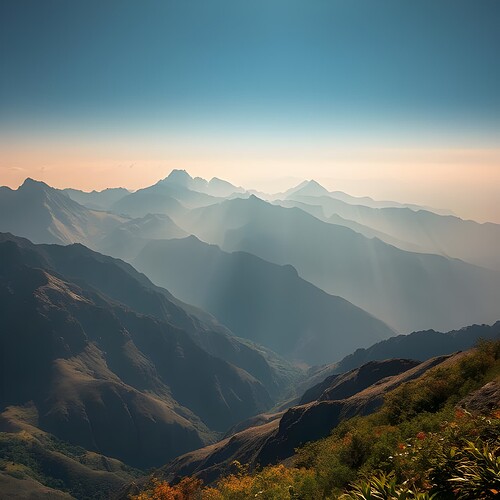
(46, 215)
(359, 260)
(444, 235)
(314, 188)
(172, 196)
(152, 200)
(96, 200)
(260, 301)
(101, 372)
(128, 239)
(408, 290)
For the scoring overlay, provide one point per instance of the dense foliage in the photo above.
(419, 446)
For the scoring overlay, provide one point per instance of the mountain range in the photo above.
(423, 229)
(407, 290)
(109, 377)
(260, 301)
(370, 262)
(192, 323)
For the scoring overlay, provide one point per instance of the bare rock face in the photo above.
(484, 400)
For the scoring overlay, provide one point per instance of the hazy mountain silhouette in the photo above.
(261, 301)
(174, 194)
(409, 291)
(98, 200)
(129, 238)
(445, 235)
(169, 196)
(152, 200)
(104, 376)
(318, 212)
(313, 188)
(46, 215)
(215, 187)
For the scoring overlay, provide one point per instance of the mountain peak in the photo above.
(254, 199)
(313, 188)
(178, 175)
(308, 188)
(30, 183)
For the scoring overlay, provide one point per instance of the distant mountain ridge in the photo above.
(444, 235)
(96, 200)
(373, 263)
(421, 345)
(260, 301)
(214, 187)
(46, 215)
(407, 290)
(313, 188)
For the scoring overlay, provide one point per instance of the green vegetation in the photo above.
(61, 466)
(418, 446)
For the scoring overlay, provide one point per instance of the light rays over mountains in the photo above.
(412, 267)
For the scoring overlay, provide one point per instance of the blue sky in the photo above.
(393, 73)
(193, 62)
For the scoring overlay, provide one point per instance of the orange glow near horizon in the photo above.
(466, 181)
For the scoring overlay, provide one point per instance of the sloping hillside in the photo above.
(429, 432)
(108, 378)
(260, 301)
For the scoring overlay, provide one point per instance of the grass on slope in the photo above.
(42, 463)
(419, 445)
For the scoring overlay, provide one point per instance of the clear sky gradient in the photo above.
(388, 98)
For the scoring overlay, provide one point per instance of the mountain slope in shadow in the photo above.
(260, 301)
(122, 283)
(106, 377)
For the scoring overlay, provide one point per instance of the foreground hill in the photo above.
(260, 301)
(363, 393)
(409, 291)
(35, 464)
(431, 431)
